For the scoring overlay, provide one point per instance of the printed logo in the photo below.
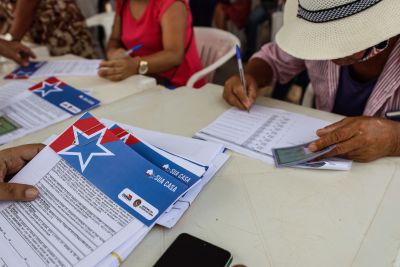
(127, 197)
(48, 88)
(150, 173)
(86, 147)
(166, 167)
(138, 204)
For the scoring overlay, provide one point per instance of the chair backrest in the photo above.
(105, 20)
(215, 48)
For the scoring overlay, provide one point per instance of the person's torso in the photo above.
(147, 31)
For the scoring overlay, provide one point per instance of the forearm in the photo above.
(163, 61)
(113, 44)
(23, 17)
(260, 70)
(396, 139)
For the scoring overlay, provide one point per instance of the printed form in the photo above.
(36, 107)
(95, 194)
(257, 132)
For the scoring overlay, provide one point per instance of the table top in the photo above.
(266, 216)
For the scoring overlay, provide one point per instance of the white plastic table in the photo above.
(266, 216)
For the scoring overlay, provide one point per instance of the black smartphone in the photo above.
(188, 250)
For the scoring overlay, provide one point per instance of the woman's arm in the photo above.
(173, 25)
(114, 46)
(23, 17)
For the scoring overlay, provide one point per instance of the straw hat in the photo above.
(331, 29)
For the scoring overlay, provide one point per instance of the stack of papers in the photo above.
(26, 107)
(263, 129)
(102, 189)
(56, 68)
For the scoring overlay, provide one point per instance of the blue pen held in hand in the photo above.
(241, 70)
(129, 52)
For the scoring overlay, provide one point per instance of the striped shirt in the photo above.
(324, 77)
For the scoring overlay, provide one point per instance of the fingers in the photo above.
(13, 159)
(335, 137)
(344, 149)
(26, 51)
(109, 64)
(235, 95)
(17, 192)
(334, 126)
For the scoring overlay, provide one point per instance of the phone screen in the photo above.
(188, 250)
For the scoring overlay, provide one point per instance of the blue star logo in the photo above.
(86, 147)
(48, 88)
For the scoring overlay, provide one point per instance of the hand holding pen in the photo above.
(240, 90)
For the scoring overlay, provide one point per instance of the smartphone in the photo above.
(188, 250)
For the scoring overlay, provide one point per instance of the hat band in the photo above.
(335, 13)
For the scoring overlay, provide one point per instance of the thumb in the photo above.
(17, 192)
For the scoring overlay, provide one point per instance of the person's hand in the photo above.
(115, 53)
(361, 139)
(11, 161)
(16, 51)
(236, 96)
(118, 69)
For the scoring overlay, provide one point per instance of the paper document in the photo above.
(39, 106)
(256, 133)
(82, 67)
(12, 89)
(95, 193)
(198, 151)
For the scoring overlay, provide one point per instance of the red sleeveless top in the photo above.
(147, 32)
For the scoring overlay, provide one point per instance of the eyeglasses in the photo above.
(374, 50)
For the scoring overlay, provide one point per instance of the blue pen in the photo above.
(130, 51)
(241, 70)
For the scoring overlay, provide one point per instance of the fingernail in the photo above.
(247, 103)
(312, 147)
(31, 193)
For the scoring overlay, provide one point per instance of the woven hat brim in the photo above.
(339, 38)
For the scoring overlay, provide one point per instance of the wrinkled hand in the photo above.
(236, 96)
(16, 51)
(118, 69)
(11, 161)
(361, 139)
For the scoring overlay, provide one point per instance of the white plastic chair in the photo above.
(105, 20)
(215, 48)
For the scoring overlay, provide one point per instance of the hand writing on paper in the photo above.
(16, 51)
(361, 139)
(236, 96)
(11, 161)
(119, 69)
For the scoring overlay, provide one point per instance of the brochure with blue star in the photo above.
(174, 169)
(64, 96)
(25, 72)
(131, 181)
(34, 107)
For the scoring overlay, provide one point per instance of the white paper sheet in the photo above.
(10, 90)
(170, 218)
(27, 113)
(254, 134)
(59, 68)
(63, 226)
(198, 151)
